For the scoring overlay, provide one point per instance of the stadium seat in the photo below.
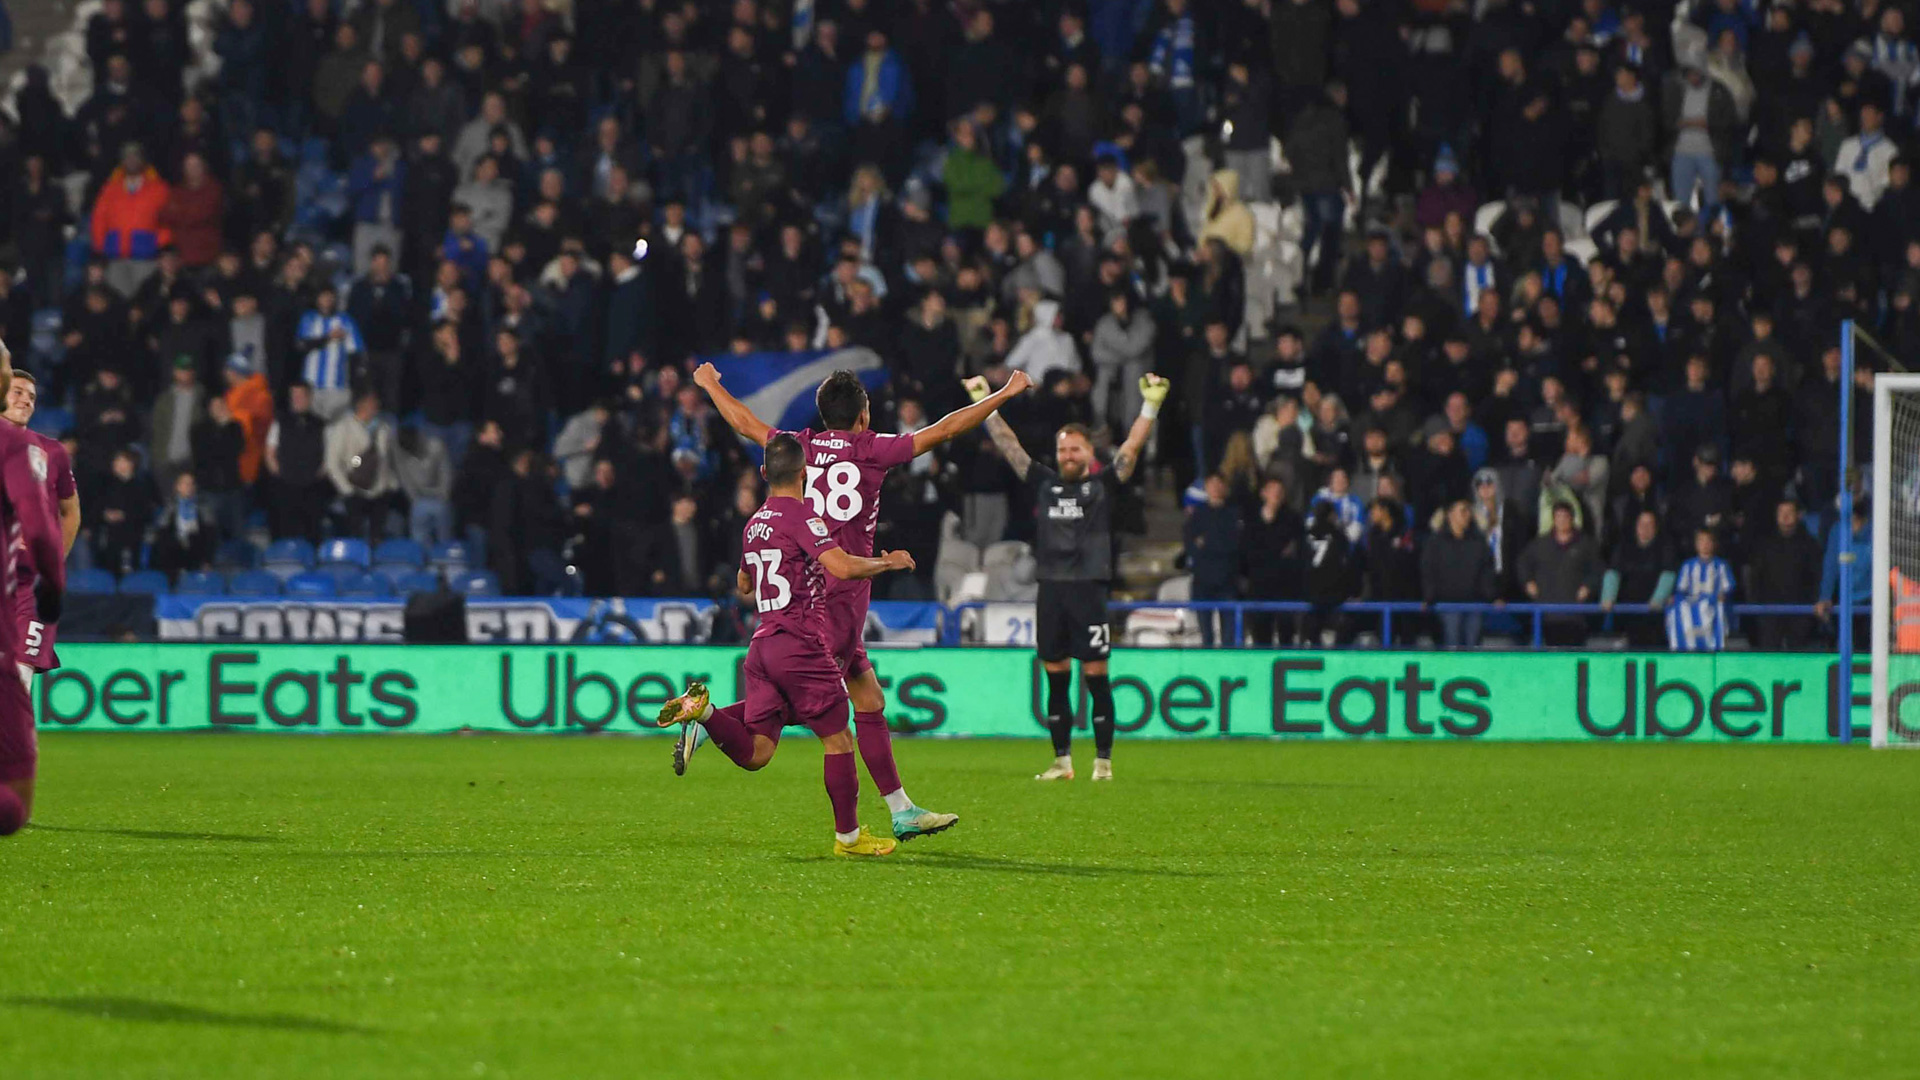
(237, 555)
(1599, 212)
(203, 583)
(419, 581)
(366, 586)
(344, 551)
(311, 584)
(475, 583)
(285, 558)
(400, 551)
(144, 583)
(999, 561)
(91, 583)
(253, 584)
(451, 557)
(1485, 218)
(956, 560)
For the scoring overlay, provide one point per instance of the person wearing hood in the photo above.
(1502, 526)
(1122, 350)
(1706, 130)
(1457, 567)
(1046, 348)
(1226, 217)
(1445, 194)
(250, 400)
(126, 227)
(1641, 576)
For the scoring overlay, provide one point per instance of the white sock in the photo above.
(898, 801)
(847, 837)
(1065, 761)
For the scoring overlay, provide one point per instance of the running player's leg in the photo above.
(876, 749)
(19, 753)
(747, 745)
(815, 692)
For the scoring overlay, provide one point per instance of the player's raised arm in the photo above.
(732, 409)
(854, 567)
(1153, 392)
(962, 420)
(1001, 431)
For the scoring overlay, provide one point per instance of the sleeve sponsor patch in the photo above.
(37, 461)
(819, 527)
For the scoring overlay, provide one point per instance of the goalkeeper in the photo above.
(1073, 562)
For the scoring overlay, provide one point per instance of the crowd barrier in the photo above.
(1172, 694)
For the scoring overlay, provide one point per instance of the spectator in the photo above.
(219, 442)
(1226, 218)
(1626, 133)
(296, 462)
(376, 184)
(1457, 567)
(425, 475)
(360, 465)
(1639, 582)
(1697, 615)
(1046, 348)
(1272, 543)
(121, 514)
(381, 307)
(1329, 575)
(1865, 159)
(578, 445)
(127, 226)
(1317, 150)
(332, 343)
(1561, 567)
(526, 528)
(171, 444)
(1705, 121)
(1856, 541)
(1213, 543)
(193, 214)
(1583, 474)
(1785, 569)
(186, 537)
(1392, 569)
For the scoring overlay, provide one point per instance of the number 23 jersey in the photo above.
(844, 472)
(780, 552)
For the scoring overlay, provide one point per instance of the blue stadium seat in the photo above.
(254, 584)
(204, 583)
(237, 555)
(90, 583)
(285, 558)
(344, 551)
(144, 583)
(418, 581)
(475, 583)
(367, 586)
(312, 584)
(451, 557)
(400, 551)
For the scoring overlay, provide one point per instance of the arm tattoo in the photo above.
(1009, 444)
(1123, 464)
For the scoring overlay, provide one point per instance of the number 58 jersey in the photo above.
(844, 472)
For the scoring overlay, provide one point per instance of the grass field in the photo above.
(412, 906)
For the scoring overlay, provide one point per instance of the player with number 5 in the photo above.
(845, 463)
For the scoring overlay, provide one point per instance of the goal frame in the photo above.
(1885, 386)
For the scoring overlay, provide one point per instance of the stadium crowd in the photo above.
(1524, 297)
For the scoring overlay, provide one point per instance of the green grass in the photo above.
(410, 906)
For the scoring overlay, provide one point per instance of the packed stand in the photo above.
(369, 272)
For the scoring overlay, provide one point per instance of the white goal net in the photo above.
(1896, 560)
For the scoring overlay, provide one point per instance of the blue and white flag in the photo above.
(779, 386)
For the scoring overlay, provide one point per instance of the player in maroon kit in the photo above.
(33, 554)
(791, 677)
(37, 637)
(846, 462)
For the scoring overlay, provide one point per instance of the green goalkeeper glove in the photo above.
(977, 388)
(1153, 392)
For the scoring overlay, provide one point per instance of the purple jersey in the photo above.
(36, 638)
(844, 473)
(779, 552)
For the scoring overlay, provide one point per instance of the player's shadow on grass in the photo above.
(161, 834)
(948, 860)
(166, 1012)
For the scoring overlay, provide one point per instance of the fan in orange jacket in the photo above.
(251, 402)
(126, 216)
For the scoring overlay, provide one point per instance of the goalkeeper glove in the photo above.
(1153, 392)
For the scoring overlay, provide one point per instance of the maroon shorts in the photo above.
(36, 637)
(846, 614)
(792, 680)
(19, 744)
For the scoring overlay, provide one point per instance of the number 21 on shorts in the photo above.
(1097, 636)
(841, 501)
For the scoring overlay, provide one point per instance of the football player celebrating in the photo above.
(791, 677)
(846, 462)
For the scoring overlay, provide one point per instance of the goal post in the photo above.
(1895, 566)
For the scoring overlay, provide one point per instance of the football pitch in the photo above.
(538, 907)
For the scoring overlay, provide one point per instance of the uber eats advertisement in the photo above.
(1192, 694)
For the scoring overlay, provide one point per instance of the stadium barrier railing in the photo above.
(1385, 610)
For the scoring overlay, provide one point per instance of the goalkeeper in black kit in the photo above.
(1073, 556)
